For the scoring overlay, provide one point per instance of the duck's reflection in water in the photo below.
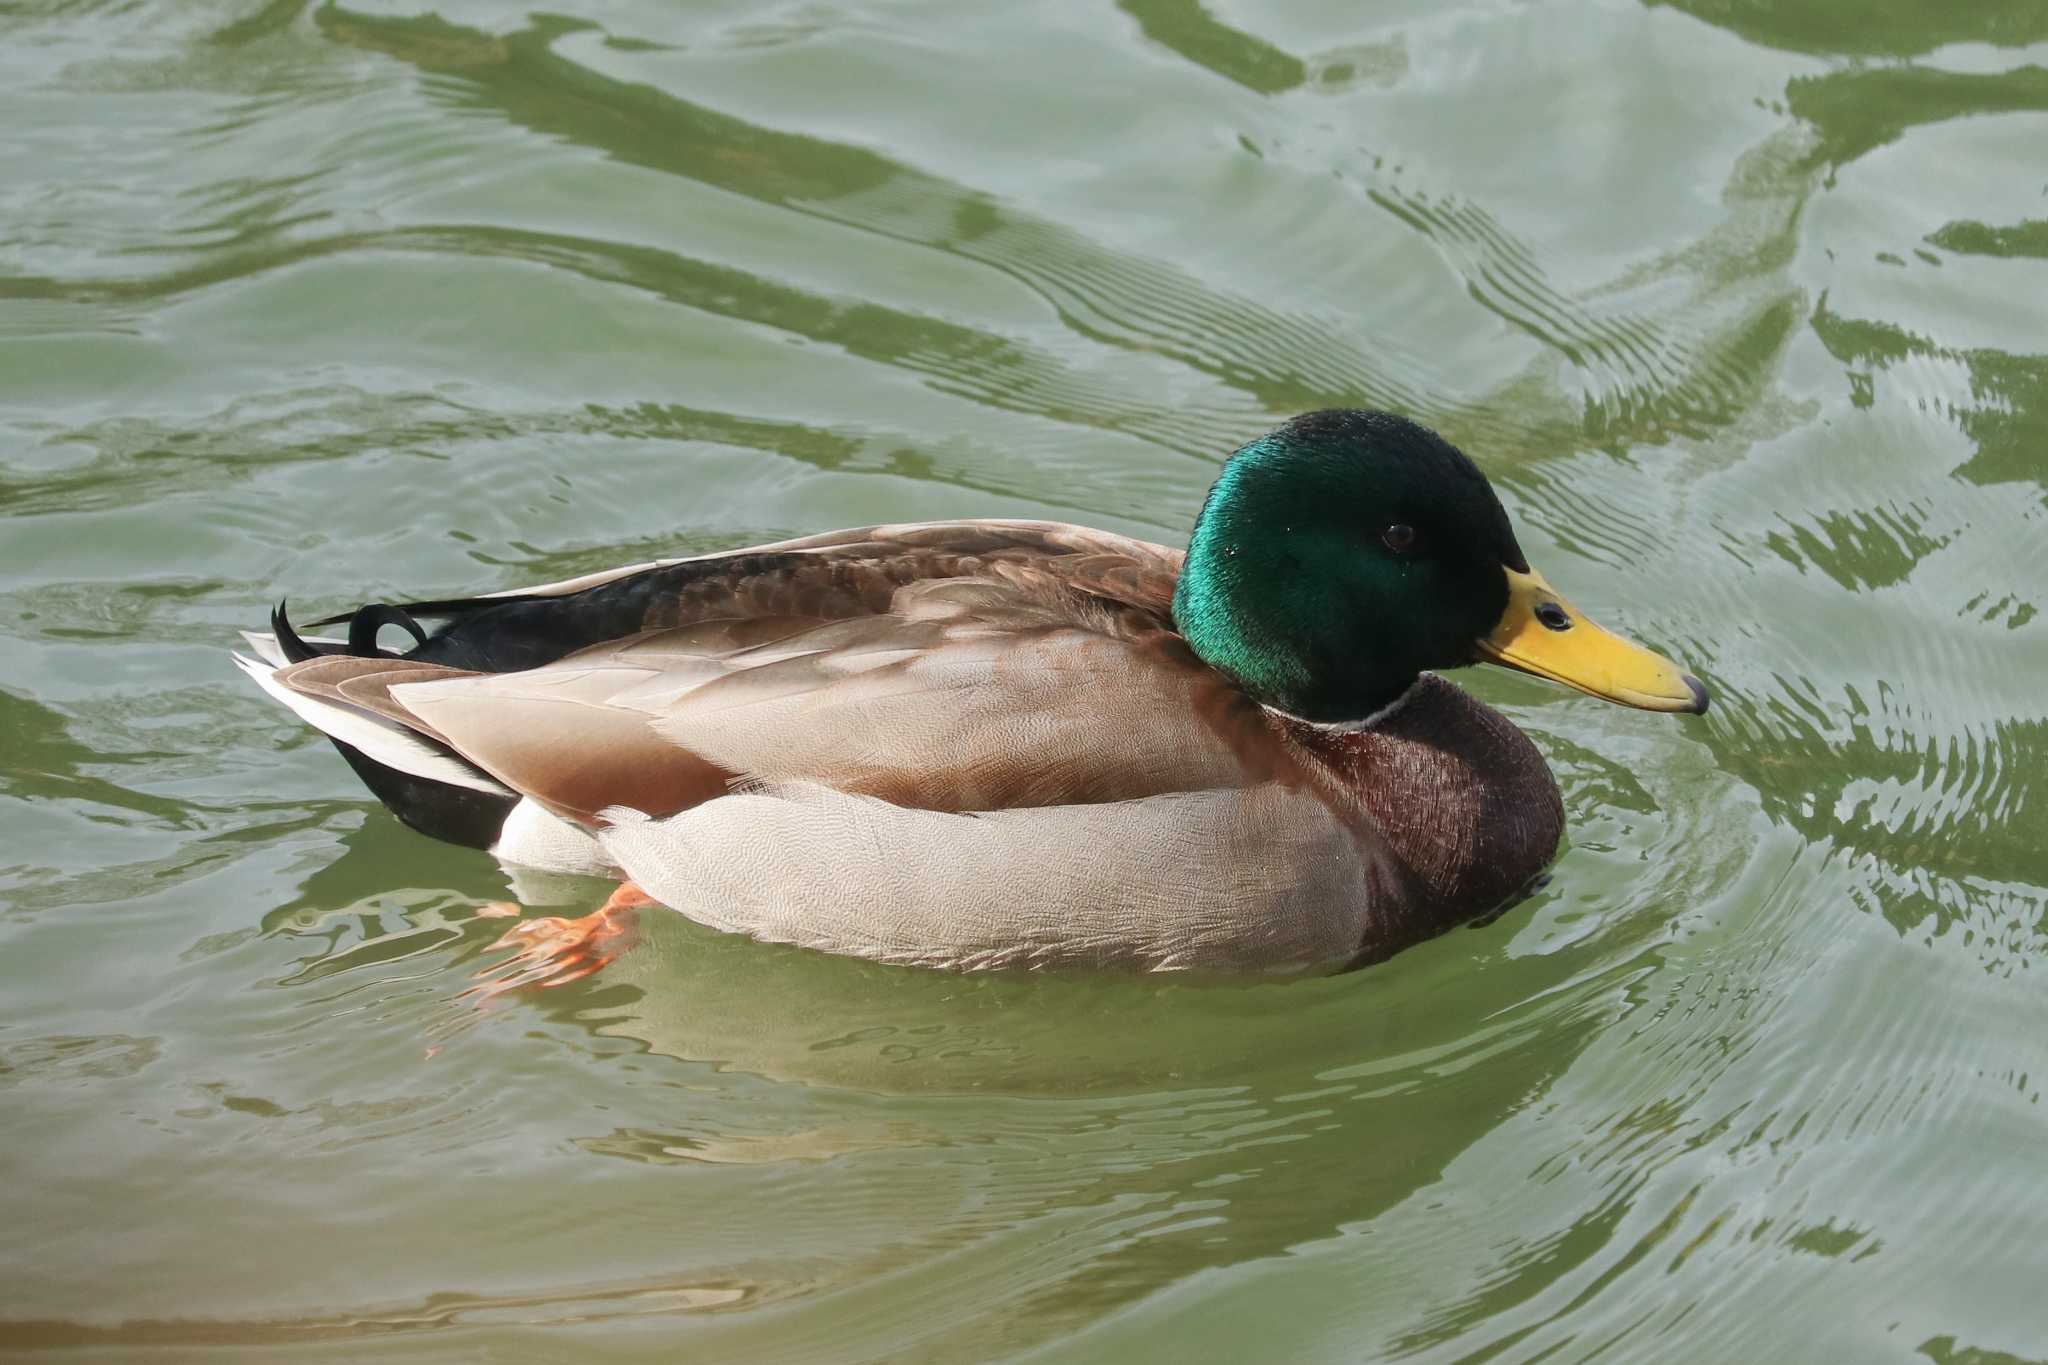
(1044, 1147)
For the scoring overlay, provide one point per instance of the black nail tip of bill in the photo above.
(1699, 693)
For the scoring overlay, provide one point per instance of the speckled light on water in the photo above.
(1741, 304)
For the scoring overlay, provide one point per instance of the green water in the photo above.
(1742, 306)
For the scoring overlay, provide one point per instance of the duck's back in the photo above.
(945, 666)
(832, 576)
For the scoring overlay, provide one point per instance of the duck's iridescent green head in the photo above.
(1343, 554)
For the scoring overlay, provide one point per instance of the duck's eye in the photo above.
(1401, 538)
(1553, 616)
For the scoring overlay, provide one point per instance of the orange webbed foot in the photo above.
(553, 950)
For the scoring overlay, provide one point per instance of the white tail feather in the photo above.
(271, 652)
(385, 741)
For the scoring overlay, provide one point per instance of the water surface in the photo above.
(1740, 304)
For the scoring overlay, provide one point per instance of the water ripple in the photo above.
(329, 302)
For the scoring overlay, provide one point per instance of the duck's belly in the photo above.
(1254, 879)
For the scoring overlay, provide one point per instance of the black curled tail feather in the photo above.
(451, 607)
(363, 624)
(289, 643)
(486, 634)
(367, 620)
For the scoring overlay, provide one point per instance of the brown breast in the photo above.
(1463, 799)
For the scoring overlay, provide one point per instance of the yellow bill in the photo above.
(1543, 634)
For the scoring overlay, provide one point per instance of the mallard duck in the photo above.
(977, 744)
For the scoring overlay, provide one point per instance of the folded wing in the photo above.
(968, 694)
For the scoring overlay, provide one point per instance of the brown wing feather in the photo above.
(947, 666)
(366, 683)
(856, 572)
(844, 574)
(1027, 681)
